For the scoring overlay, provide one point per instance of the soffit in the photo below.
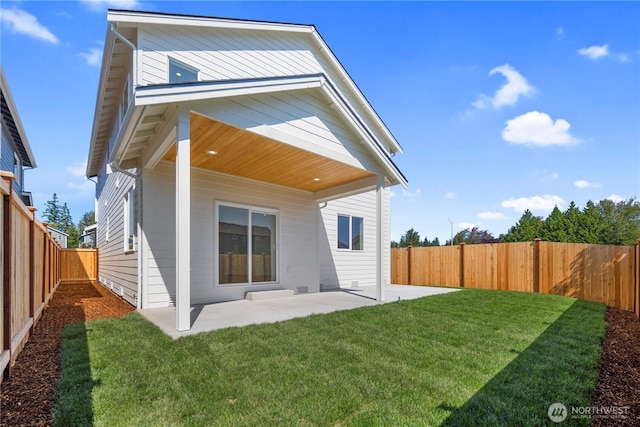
(249, 155)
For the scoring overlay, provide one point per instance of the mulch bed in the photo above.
(28, 397)
(619, 372)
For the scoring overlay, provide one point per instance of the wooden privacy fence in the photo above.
(79, 265)
(601, 273)
(32, 267)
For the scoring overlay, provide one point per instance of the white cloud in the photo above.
(544, 203)
(93, 56)
(491, 215)
(20, 22)
(416, 194)
(554, 175)
(465, 225)
(615, 198)
(510, 92)
(538, 129)
(560, 33)
(450, 195)
(78, 168)
(581, 183)
(100, 5)
(623, 57)
(594, 52)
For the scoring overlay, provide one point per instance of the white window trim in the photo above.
(216, 243)
(350, 248)
(17, 168)
(129, 221)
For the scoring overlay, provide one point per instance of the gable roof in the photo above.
(11, 120)
(104, 117)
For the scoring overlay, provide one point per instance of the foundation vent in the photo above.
(302, 289)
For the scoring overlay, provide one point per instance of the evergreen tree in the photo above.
(410, 238)
(528, 228)
(52, 212)
(572, 223)
(555, 227)
(591, 224)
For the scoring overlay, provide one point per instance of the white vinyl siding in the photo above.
(230, 54)
(118, 270)
(347, 268)
(297, 211)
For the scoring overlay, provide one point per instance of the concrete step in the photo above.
(264, 295)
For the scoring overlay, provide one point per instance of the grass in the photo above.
(465, 358)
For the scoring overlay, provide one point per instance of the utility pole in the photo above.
(451, 241)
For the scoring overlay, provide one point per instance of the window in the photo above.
(244, 231)
(179, 72)
(350, 232)
(129, 221)
(17, 168)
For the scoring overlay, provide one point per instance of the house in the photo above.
(15, 151)
(234, 156)
(88, 236)
(58, 236)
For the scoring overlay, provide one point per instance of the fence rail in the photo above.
(601, 273)
(32, 267)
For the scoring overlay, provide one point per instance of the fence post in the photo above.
(636, 267)
(462, 265)
(409, 265)
(7, 230)
(32, 268)
(536, 265)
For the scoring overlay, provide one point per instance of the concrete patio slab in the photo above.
(209, 317)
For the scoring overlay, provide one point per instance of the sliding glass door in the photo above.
(247, 245)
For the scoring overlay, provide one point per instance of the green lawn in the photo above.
(465, 358)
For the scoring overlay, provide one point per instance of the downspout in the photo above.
(114, 165)
(134, 52)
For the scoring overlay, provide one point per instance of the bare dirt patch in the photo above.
(28, 396)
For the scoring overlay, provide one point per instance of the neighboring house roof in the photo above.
(362, 115)
(11, 120)
(55, 230)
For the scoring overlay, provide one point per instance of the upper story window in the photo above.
(179, 72)
(17, 168)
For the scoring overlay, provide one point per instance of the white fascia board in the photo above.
(203, 21)
(347, 112)
(212, 90)
(129, 124)
(97, 115)
(364, 104)
(16, 117)
(348, 189)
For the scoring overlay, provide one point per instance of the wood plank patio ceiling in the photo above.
(244, 153)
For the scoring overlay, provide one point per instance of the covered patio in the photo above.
(210, 317)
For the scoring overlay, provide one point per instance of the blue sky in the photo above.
(499, 106)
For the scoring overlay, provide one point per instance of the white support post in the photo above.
(379, 239)
(183, 223)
